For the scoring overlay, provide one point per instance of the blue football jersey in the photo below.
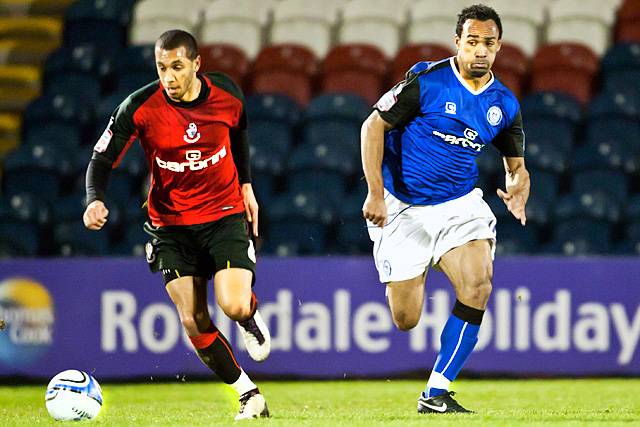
(439, 126)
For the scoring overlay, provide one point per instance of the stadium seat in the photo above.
(264, 186)
(611, 154)
(79, 72)
(538, 210)
(557, 135)
(18, 239)
(551, 105)
(566, 68)
(354, 68)
(25, 52)
(627, 29)
(352, 237)
(434, 21)
(581, 237)
(613, 182)
(99, 23)
(295, 237)
(521, 21)
(632, 208)
(35, 29)
(327, 183)
(328, 156)
(512, 238)
(25, 208)
(105, 109)
(272, 119)
(136, 67)
(547, 155)
(305, 204)
(621, 68)
(133, 242)
(374, 22)
(285, 69)
(73, 239)
(409, 55)
(19, 85)
(586, 22)
(545, 184)
(60, 120)
(235, 22)
(150, 18)
(225, 58)
(614, 116)
(335, 119)
(9, 132)
(597, 205)
(490, 162)
(630, 245)
(511, 68)
(305, 23)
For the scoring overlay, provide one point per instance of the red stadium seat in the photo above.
(627, 28)
(565, 67)
(354, 68)
(413, 53)
(229, 59)
(287, 69)
(511, 68)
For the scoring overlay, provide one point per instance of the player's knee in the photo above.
(405, 321)
(237, 311)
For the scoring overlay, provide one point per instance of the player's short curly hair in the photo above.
(481, 13)
(173, 39)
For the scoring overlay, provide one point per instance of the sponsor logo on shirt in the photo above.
(389, 99)
(194, 163)
(105, 139)
(450, 108)
(191, 134)
(467, 142)
(494, 116)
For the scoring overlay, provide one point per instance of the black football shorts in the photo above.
(200, 250)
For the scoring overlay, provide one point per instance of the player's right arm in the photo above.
(107, 153)
(394, 109)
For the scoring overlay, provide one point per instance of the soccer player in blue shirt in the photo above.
(418, 153)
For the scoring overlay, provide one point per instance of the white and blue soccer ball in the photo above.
(73, 395)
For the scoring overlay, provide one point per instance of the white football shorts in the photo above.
(416, 236)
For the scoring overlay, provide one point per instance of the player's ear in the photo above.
(456, 40)
(498, 45)
(196, 63)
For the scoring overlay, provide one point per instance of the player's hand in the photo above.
(375, 210)
(95, 216)
(516, 196)
(251, 207)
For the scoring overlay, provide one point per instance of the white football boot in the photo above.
(256, 337)
(252, 405)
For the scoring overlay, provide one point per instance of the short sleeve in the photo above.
(402, 103)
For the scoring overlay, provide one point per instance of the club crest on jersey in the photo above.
(494, 116)
(191, 134)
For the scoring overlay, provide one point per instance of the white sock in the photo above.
(243, 384)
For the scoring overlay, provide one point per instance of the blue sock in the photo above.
(458, 338)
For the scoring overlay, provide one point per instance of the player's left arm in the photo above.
(510, 142)
(241, 158)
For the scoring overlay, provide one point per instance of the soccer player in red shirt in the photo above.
(192, 128)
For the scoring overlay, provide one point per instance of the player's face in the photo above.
(477, 47)
(176, 71)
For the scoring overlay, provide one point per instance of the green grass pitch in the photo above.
(349, 403)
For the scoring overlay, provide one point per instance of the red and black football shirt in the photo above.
(187, 146)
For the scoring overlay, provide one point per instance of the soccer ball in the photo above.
(73, 395)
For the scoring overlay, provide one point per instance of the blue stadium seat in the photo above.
(613, 182)
(595, 205)
(539, 210)
(632, 211)
(296, 236)
(551, 105)
(79, 72)
(614, 116)
(59, 120)
(513, 238)
(73, 239)
(136, 67)
(133, 243)
(497, 206)
(612, 154)
(581, 237)
(547, 155)
(18, 239)
(352, 236)
(105, 108)
(97, 22)
(631, 244)
(544, 184)
(305, 205)
(272, 119)
(335, 119)
(264, 187)
(553, 132)
(329, 185)
(621, 68)
(26, 208)
(265, 159)
(323, 156)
